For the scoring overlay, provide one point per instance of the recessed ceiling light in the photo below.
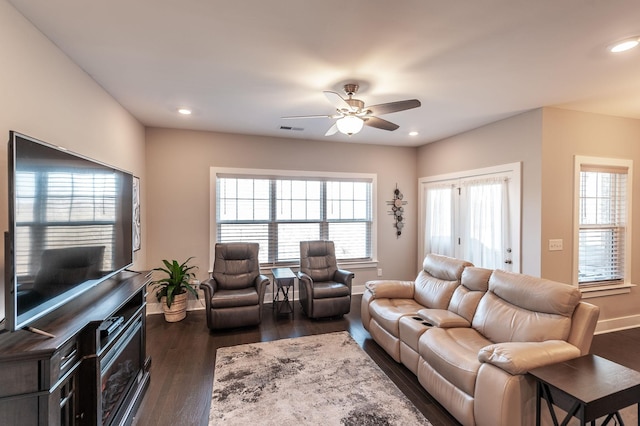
(184, 111)
(413, 133)
(624, 45)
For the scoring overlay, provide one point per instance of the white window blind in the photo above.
(602, 224)
(280, 211)
(82, 203)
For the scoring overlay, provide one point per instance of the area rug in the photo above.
(325, 379)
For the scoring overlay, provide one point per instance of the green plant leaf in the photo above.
(177, 280)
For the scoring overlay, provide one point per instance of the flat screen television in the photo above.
(70, 227)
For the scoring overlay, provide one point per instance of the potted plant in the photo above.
(172, 290)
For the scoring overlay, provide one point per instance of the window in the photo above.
(602, 208)
(278, 210)
(474, 216)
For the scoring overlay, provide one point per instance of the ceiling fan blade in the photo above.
(393, 107)
(293, 117)
(379, 123)
(337, 101)
(332, 130)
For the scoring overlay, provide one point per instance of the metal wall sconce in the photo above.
(397, 210)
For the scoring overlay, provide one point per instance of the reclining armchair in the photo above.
(325, 290)
(234, 294)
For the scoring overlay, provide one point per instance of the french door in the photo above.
(474, 216)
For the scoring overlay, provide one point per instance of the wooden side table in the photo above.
(284, 279)
(588, 387)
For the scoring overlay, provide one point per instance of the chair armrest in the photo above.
(302, 276)
(261, 282)
(262, 279)
(390, 289)
(520, 357)
(344, 277)
(209, 288)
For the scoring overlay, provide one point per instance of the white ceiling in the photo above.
(243, 64)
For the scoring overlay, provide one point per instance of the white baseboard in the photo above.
(198, 304)
(616, 324)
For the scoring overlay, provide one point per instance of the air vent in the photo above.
(296, 129)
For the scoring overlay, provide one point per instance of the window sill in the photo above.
(365, 264)
(606, 290)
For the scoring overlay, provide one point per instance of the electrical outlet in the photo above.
(379, 272)
(555, 245)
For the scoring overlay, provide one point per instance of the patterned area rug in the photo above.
(324, 379)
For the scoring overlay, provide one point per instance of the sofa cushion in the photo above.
(329, 289)
(433, 292)
(387, 312)
(476, 279)
(234, 298)
(443, 267)
(535, 294)
(439, 278)
(453, 353)
(521, 308)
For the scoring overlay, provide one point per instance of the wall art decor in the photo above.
(397, 210)
(137, 240)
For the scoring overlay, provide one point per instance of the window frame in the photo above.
(293, 174)
(603, 288)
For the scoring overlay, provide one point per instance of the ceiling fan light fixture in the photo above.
(350, 125)
(624, 45)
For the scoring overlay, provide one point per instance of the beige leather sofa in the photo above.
(471, 334)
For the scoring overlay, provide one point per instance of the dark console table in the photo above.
(588, 387)
(94, 371)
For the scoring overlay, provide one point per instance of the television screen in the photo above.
(70, 227)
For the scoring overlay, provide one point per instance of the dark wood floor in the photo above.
(183, 358)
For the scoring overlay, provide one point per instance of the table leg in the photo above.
(538, 402)
(546, 394)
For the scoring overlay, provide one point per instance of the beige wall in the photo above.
(570, 133)
(516, 139)
(45, 95)
(178, 165)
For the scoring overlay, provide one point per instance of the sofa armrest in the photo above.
(390, 289)
(443, 318)
(520, 357)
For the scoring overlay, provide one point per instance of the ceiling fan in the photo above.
(351, 114)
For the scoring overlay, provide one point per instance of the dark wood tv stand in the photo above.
(93, 372)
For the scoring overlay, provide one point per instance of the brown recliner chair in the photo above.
(234, 294)
(325, 290)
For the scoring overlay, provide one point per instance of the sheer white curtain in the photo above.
(485, 222)
(439, 226)
(473, 215)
